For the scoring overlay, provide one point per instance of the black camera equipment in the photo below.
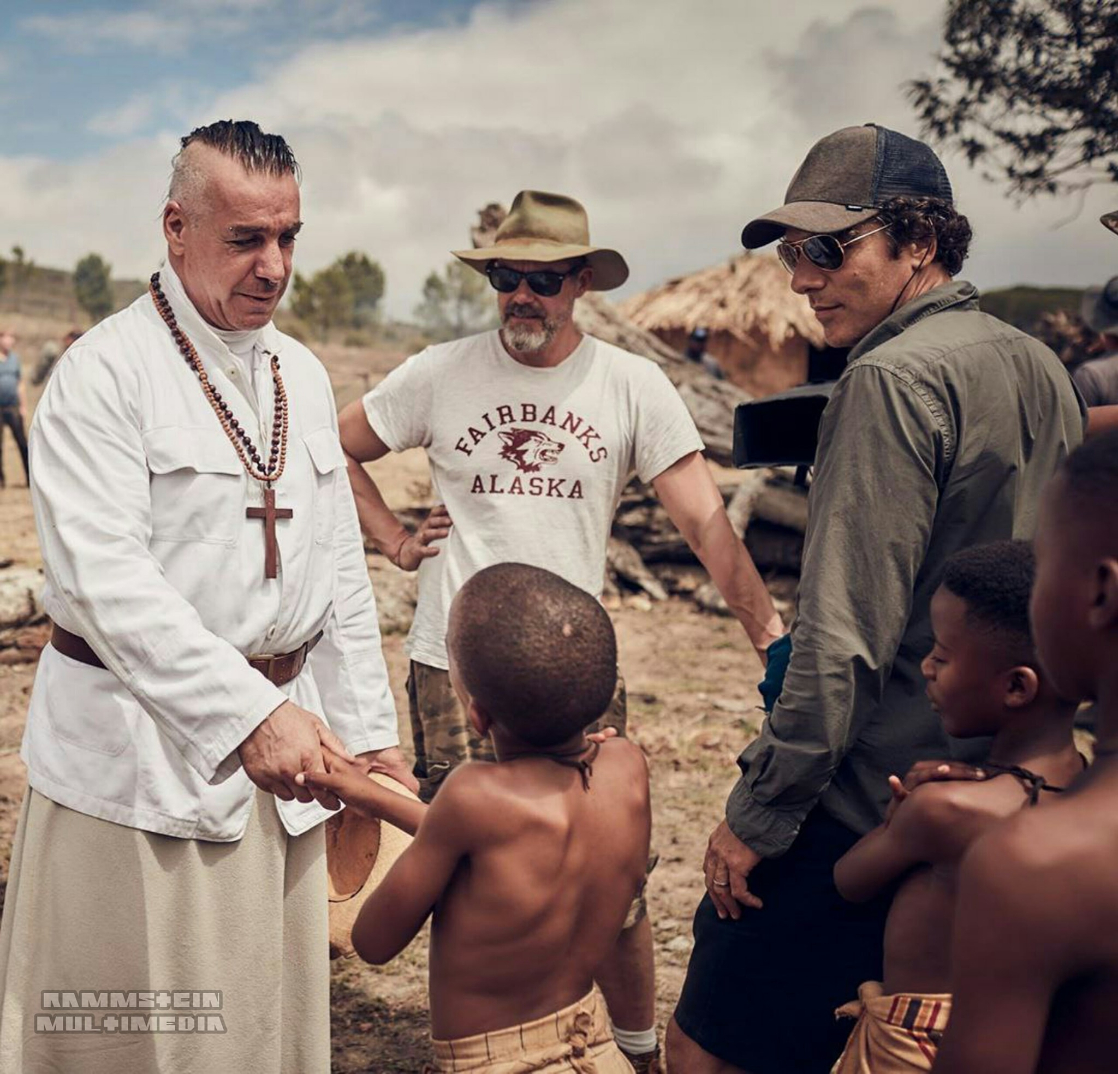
(783, 429)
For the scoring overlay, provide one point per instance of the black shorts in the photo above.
(761, 992)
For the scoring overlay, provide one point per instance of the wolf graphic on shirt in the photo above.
(529, 449)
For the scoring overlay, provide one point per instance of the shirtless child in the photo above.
(1036, 935)
(530, 863)
(983, 679)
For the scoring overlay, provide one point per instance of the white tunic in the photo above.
(140, 506)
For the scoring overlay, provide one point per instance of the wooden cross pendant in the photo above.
(269, 513)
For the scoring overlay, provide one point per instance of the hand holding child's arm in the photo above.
(349, 781)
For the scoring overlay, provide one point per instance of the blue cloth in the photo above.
(9, 380)
(776, 664)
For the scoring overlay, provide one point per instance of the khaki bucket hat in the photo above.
(359, 853)
(549, 227)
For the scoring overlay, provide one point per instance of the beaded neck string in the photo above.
(245, 448)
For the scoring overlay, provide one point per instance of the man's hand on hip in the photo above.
(726, 867)
(416, 547)
(288, 742)
(391, 763)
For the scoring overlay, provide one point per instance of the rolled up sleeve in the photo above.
(883, 441)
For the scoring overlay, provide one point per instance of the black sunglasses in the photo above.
(823, 251)
(542, 281)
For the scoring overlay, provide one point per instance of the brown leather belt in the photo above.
(277, 669)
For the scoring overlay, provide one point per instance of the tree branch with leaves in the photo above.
(1030, 92)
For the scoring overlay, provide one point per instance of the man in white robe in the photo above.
(167, 889)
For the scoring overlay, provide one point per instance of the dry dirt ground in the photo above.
(693, 706)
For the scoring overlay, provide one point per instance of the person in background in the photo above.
(532, 433)
(1035, 946)
(50, 354)
(983, 679)
(697, 352)
(1097, 378)
(214, 630)
(13, 402)
(529, 863)
(941, 432)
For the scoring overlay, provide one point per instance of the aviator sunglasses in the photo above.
(823, 251)
(542, 281)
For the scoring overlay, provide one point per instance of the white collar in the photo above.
(204, 335)
(241, 343)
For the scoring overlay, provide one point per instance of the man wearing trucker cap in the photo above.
(940, 434)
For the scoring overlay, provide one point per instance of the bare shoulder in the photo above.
(470, 785)
(468, 798)
(622, 764)
(488, 798)
(623, 753)
(945, 801)
(944, 818)
(1050, 871)
(1040, 842)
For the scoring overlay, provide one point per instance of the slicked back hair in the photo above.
(994, 580)
(537, 654)
(240, 139)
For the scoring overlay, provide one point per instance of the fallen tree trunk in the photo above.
(771, 511)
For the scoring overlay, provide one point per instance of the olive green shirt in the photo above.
(940, 434)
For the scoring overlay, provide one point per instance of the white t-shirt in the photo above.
(529, 462)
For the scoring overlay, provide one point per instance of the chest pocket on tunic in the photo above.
(327, 458)
(197, 484)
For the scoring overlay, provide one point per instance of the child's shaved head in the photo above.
(994, 581)
(537, 654)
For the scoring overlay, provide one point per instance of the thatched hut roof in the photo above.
(747, 296)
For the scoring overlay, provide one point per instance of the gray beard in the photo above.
(524, 338)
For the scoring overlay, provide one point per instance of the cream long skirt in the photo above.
(126, 952)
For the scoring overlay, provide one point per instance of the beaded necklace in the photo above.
(246, 450)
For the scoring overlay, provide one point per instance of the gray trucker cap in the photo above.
(844, 180)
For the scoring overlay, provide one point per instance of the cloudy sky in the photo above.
(674, 121)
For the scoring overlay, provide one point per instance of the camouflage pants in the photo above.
(444, 738)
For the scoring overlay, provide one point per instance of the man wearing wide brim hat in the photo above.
(940, 433)
(531, 432)
(1097, 379)
(547, 228)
